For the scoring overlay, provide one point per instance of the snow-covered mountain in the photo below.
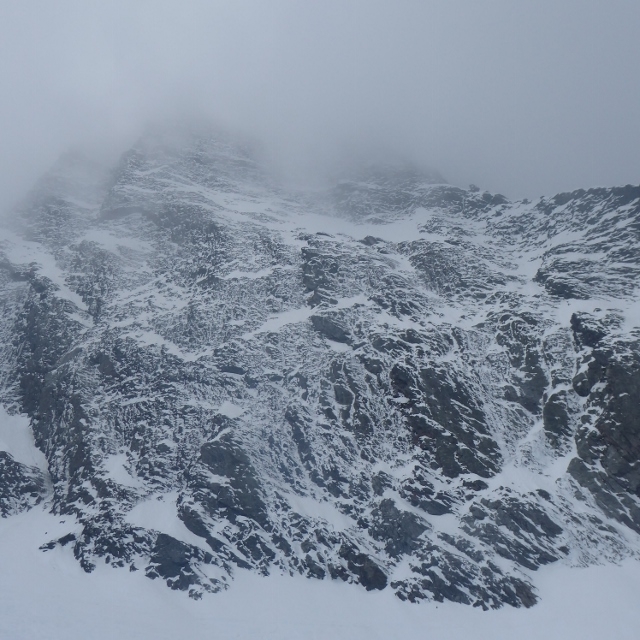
(394, 382)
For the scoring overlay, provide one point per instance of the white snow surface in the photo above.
(23, 252)
(159, 512)
(47, 596)
(16, 439)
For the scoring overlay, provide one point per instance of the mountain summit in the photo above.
(394, 382)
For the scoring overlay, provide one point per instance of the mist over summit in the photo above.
(525, 101)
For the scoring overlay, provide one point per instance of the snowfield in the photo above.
(47, 596)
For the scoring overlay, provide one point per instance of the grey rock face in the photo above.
(397, 383)
(21, 486)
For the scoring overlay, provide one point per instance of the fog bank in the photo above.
(521, 98)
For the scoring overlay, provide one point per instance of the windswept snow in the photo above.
(27, 253)
(16, 439)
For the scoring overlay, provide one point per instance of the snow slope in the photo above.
(46, 596)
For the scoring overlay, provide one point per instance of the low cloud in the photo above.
(521, 98)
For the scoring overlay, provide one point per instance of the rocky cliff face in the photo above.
(397, 382)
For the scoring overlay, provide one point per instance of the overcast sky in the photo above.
(523, 97)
